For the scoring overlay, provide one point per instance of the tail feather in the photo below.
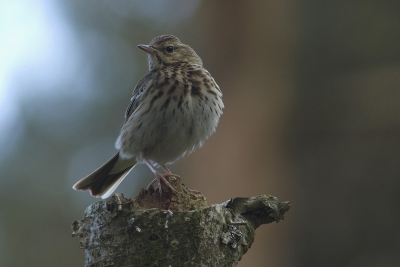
(103, 181)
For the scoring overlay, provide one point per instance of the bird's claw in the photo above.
(174, 176)
(162, 178)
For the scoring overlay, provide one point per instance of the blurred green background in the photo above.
(312, 96)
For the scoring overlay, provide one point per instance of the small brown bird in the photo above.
(173, 109)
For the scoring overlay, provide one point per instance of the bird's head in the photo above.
(168, 49)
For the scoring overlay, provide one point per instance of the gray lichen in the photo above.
(122, 232)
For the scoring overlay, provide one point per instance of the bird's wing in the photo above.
(140, 90)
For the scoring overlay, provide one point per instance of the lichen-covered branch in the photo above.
(124, 232)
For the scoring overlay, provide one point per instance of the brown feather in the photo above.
(102, 180)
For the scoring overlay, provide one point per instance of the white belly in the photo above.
(165, 136)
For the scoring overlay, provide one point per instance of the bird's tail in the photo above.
(103, 181)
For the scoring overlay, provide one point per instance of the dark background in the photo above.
(312, 96)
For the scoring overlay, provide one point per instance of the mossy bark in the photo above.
(142, 232)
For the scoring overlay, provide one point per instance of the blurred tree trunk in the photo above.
(178, 231)
(249, 50)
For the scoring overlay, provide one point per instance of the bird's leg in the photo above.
(169, 173)
(150, 184)
(159, 177)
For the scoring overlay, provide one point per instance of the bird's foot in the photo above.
(174, 176)
(194, 191)
(162, 178)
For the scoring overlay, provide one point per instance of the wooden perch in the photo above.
(178, 231)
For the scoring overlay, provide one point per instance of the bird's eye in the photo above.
(169, 49)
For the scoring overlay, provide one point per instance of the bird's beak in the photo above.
(148, 49)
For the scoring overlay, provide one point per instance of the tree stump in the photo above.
(172, 230)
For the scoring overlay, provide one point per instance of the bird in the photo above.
(174, 108)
